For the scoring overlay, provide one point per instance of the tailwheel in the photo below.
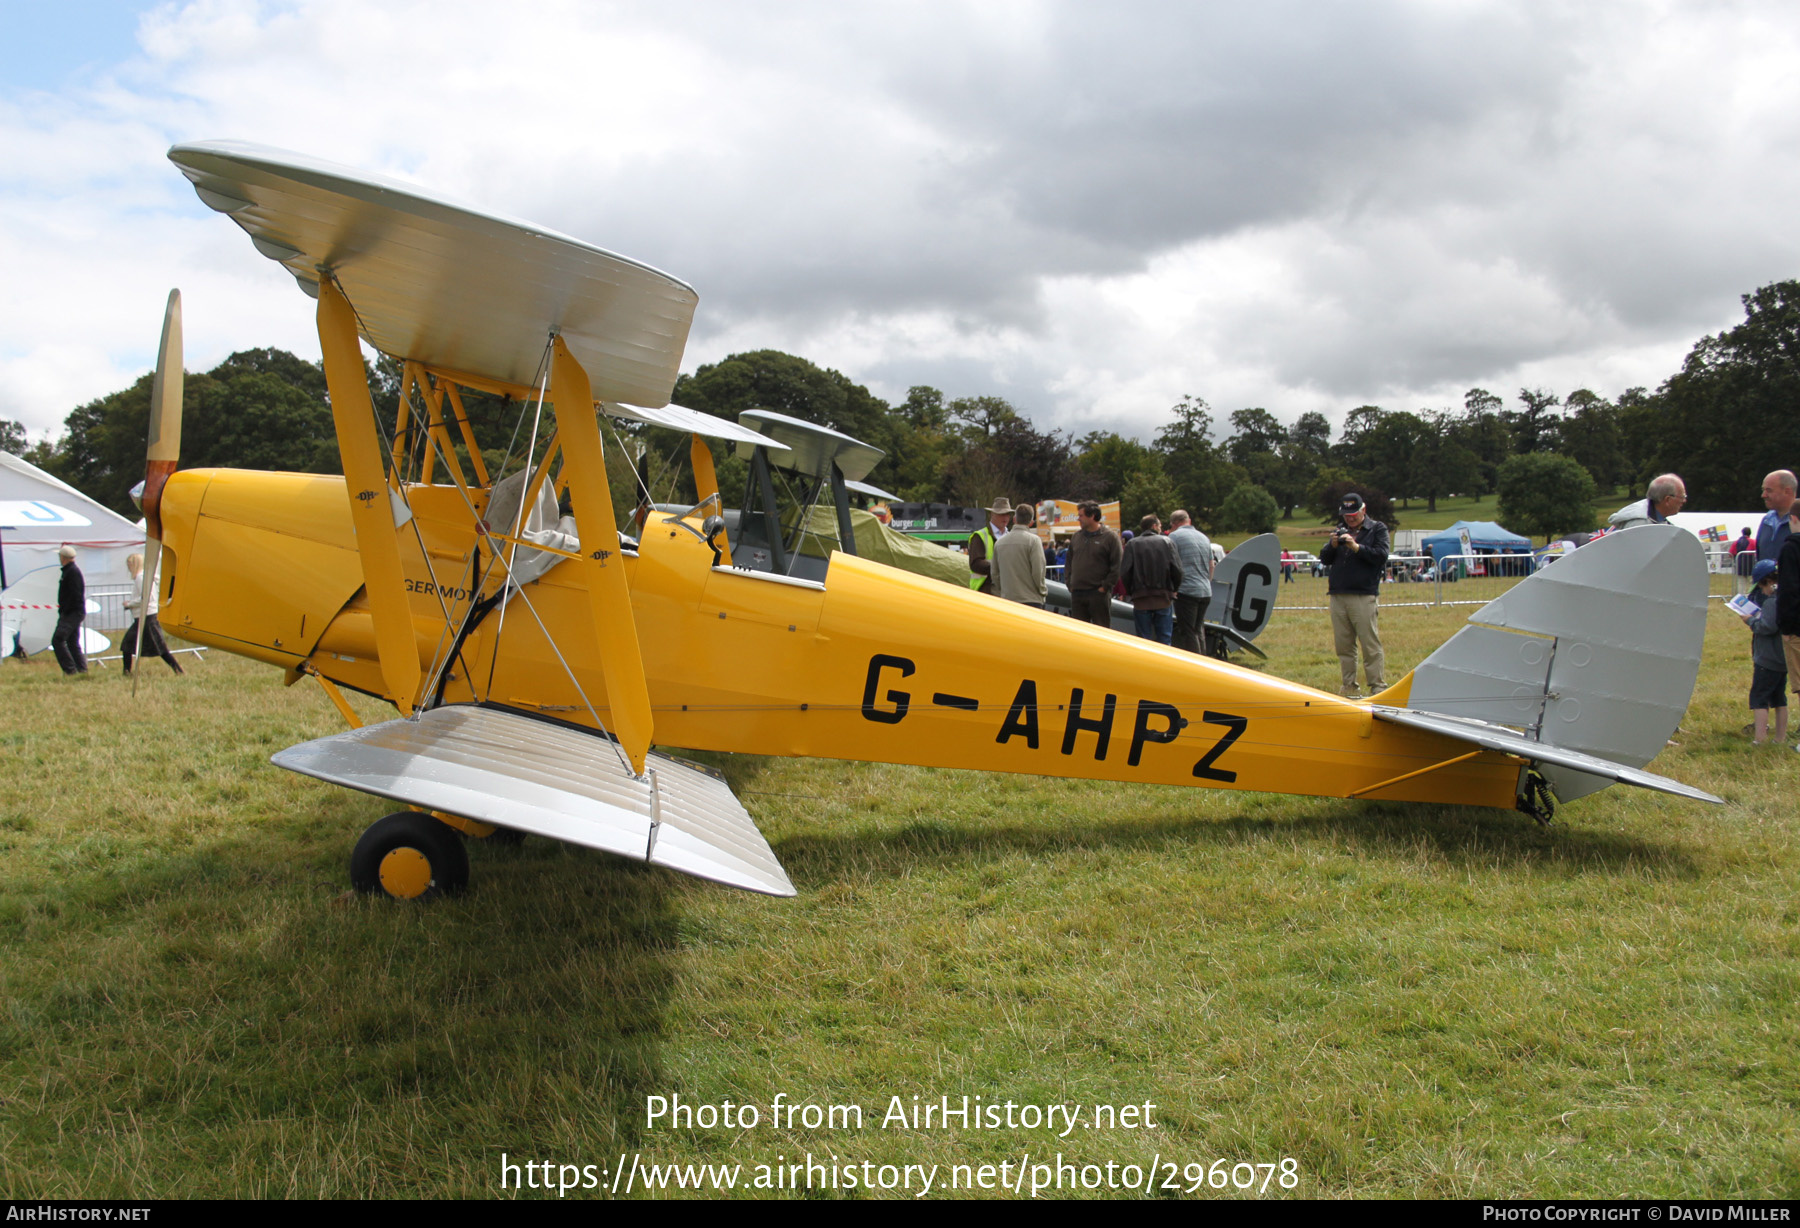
(409, 856)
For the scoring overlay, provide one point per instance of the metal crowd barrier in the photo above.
(111, 598)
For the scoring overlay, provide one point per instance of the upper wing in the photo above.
(692, 420)
(447, 285)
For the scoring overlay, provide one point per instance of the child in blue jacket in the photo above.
(1768, 664)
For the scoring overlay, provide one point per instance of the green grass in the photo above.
(1305, 532)
(1407, 1000)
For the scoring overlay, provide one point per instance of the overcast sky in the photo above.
(1091, 210)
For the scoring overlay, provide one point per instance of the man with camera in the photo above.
(1355, 555)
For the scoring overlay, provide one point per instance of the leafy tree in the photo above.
(1149, 492)
(1310, 436)
(923, 445)
(259, 409)
(1589, 433)
(1534, 425)
(1200, 473)
(1544, 493)
(1306, 447)
(770, 379)
(1728, 416)
(1479, 401)
(1441, 465)
(1485, 434)
(1352, 448)
(13, 437)
(1254, 432)
(981, 419)
(1641, 416)
(1115, 462)
(1005, 455)
(1388, 447)
(1248, 509)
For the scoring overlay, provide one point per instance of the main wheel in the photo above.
(409, 856)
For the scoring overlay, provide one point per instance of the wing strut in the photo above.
(371, 498)
(621, 660)
(706, 486)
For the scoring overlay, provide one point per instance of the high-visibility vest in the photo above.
(985, 532)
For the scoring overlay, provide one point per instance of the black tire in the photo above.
(422, 858)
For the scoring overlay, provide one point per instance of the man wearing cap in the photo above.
(981, 546)
(71, 612)
(1355, 556)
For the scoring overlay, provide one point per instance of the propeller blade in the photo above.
(162, 452)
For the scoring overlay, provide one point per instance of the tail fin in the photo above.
(1597, 654)
(1244, 588)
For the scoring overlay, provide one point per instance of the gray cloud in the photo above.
(1091, 210)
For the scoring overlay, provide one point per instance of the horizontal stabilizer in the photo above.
(1595, 654)
(1511, 742)
(551, 780)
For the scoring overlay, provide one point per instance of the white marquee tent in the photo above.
(45, 514)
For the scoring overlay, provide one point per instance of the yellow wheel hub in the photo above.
(405, 874)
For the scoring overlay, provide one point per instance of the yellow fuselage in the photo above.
(877, 665)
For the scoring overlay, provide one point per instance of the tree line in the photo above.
(1722, 421)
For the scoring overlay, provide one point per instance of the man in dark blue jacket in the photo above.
(71, 612)
(1356, 555)
(1778, 491)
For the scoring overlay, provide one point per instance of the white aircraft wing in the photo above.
(448, 285)
(553, 780)
(681, 418)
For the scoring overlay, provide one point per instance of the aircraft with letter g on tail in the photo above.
(536, 660)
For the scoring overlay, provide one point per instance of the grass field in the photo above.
(1305, 532)
(1404, 1000)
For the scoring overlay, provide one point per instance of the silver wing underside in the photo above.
(447, 285)
(507, 769)
(681, 418)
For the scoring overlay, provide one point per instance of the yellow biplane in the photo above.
(535, 659)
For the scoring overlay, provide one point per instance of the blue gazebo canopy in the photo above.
(1484, 535)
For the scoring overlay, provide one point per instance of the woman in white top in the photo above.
(154, 645)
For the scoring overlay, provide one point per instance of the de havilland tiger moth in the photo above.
(535, 661)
